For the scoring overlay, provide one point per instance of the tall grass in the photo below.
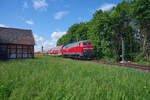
(54, 78)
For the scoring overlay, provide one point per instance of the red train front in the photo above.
(81, 49)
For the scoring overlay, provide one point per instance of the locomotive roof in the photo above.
(83, 41)
(74, 43)
(78, 42)
(16, 36)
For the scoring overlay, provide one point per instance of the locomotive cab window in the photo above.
(85, 43)
(89, 43)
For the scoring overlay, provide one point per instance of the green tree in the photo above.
(141, 13)
(99, 33)
(76, 32)
(120, 17)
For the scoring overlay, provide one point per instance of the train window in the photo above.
(65, 47)
(89, 43)
(85, 43)
(79, 44)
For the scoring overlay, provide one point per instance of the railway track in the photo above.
(129, 65)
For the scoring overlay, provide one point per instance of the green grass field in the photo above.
(55, 78)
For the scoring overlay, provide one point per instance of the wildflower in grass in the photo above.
(110, 88)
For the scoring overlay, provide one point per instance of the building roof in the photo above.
(16, 36)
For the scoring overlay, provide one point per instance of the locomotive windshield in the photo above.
(89, 43)
(86, 43)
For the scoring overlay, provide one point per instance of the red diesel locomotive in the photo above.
(81, 49)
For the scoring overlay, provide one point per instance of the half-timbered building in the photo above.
(16, 43)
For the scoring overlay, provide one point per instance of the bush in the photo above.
(140, 57)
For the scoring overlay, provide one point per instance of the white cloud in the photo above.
(47, 44)
(60, 15)
(25, 5)
(38, 42)
(92, 11)
(106, 7)
(29, 22)
(38, 38)
(57, 35)
(39, 4)
(2, 25)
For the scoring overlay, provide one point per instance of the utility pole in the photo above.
(123, 48)
(42, 48)
(122, 38)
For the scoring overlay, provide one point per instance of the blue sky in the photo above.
(49, 19)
